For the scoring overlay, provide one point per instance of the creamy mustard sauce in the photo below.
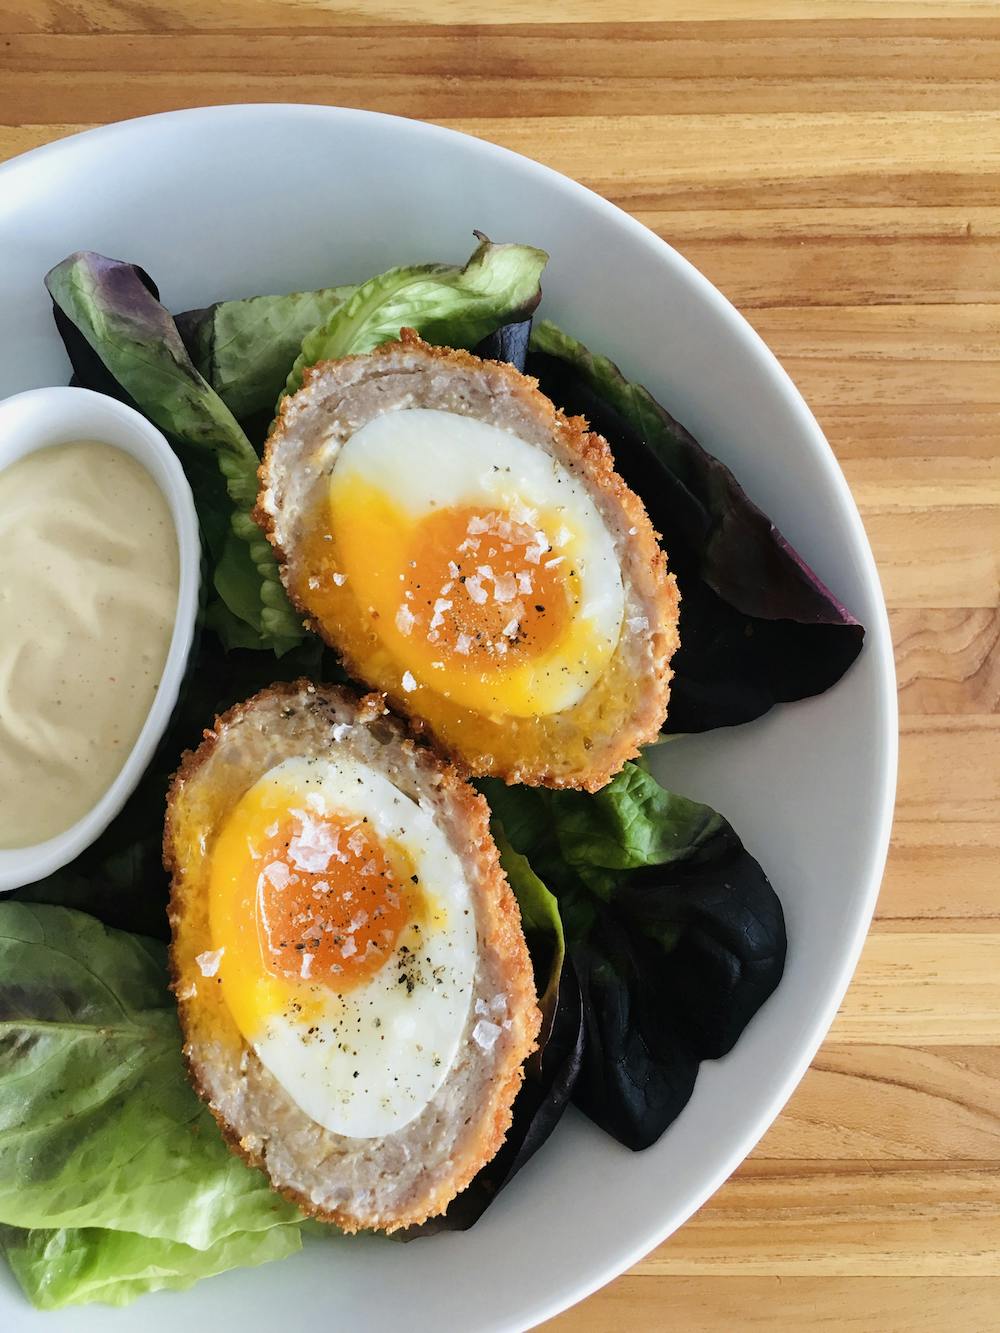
(88, 597)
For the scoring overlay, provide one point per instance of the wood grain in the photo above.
(834, 167)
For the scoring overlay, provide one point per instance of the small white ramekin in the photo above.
(43, 417)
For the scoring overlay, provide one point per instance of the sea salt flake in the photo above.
(556, 560)
(485, 1034)
(409, 682)
(637, 623)
(477, 525)
(405, 619)
(208, 962)
(314, 846)
(509, 630)
(306, 968)
(339, 579)
(534, 553)
(524, 583)
(463, 643)
(453, 569)
(440, 606)
(505, 588)
(348, 948)
(314, 583)
(356, 843)
(473, 586)
(276, 874)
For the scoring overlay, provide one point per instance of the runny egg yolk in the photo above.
(476, 587)
(328, 906)
(305, 904)
(483, 604)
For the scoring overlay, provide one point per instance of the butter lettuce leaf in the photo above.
(111, 306)
(77, 1266)
(98, 1124)
(447, 305)
(757, 625)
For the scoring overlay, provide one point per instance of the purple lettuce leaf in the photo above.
(758, 626)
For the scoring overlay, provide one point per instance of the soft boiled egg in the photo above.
(353, 984)
(471, 552)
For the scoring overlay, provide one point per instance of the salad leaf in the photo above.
(244, 349)
(451, 306)
(676, 936)
(98, 1125)
(507, 343)
(79, 1265)
(543, 929)
(757, 625)
(112, 308)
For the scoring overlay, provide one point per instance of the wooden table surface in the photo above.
(834, 167)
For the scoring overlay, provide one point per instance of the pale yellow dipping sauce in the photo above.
(88, 597)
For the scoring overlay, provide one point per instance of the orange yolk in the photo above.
(336, 924)
(304, 904)
(482, 587)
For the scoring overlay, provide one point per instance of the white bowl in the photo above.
(232, 201)
(36, 420)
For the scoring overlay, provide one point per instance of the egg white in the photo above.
(423, 459)
(377, 1054)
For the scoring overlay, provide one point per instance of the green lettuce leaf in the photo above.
(244, 348)
(542, 926)
(110, 306)
(630, 823)
(98, 1124)
(447, 305)
(77, 1266)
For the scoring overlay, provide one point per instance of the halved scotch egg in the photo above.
(353, 984)
(471, 552)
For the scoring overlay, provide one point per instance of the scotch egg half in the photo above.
(352, 980)
(471, 552)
